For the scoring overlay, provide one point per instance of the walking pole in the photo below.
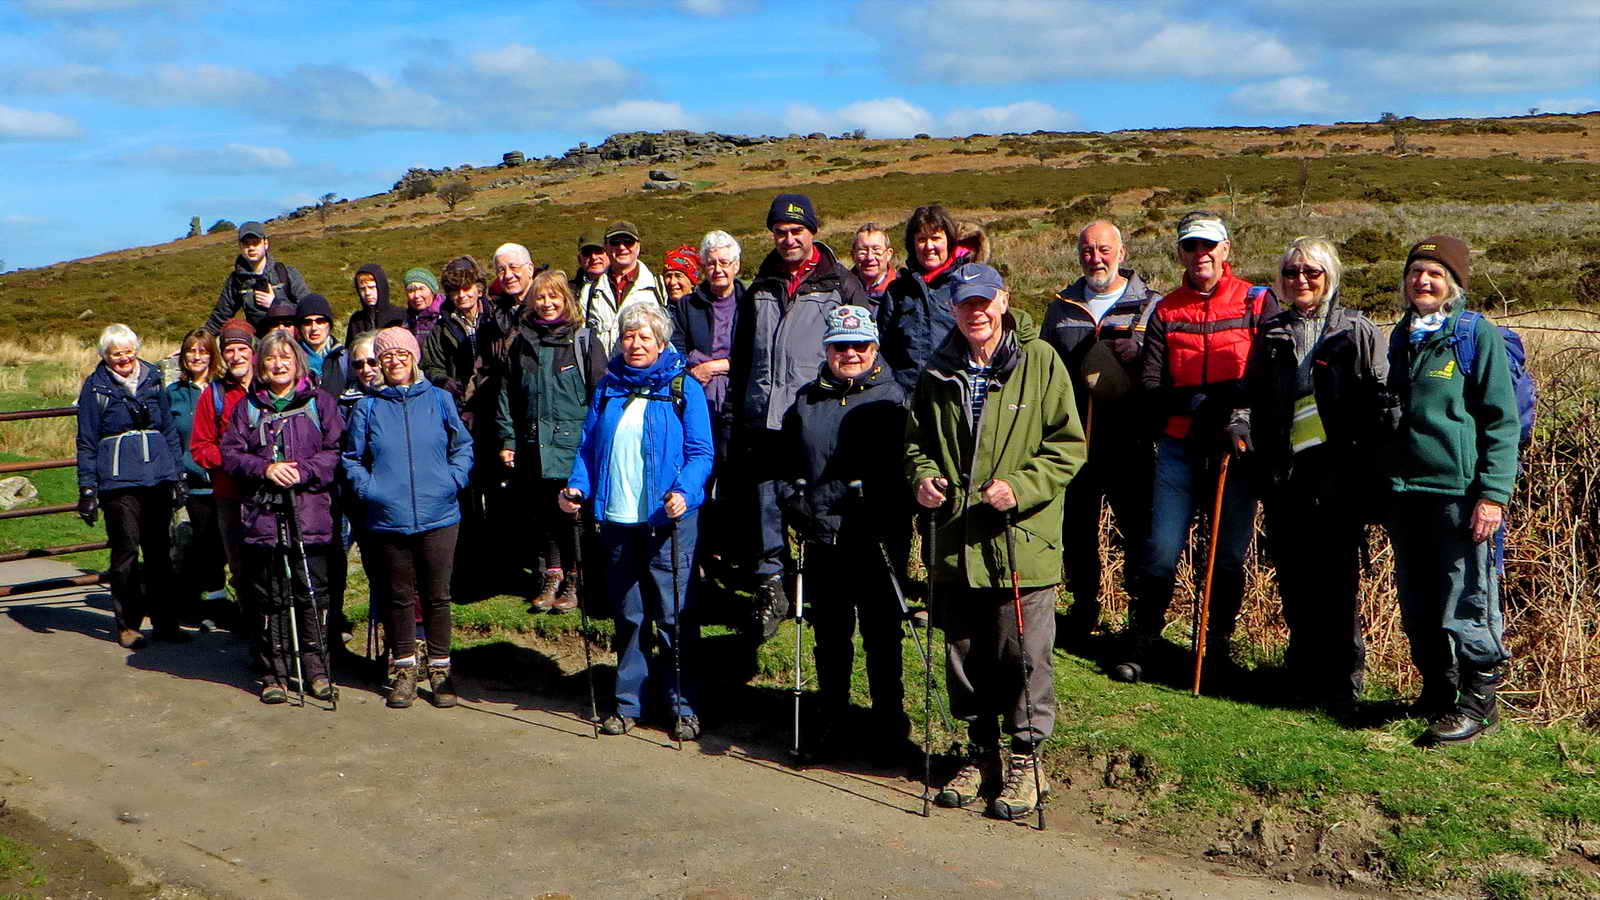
(321, 633)
(1027, 663)
(294, 629)
(677, 640)
(583, 604)
(1202, 614)
(799, 627)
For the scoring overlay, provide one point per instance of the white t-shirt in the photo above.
(625, 480)
(1100, 304)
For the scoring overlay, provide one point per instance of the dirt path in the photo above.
(164, 758)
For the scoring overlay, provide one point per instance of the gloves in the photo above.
(1386, 412)
(88, 506)
(180, 494)
(1237, 435)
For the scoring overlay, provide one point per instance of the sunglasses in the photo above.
(314, 320)
(368, 363)
(621, 241)
(857, 346)
(1290, 273)
(1190, 245)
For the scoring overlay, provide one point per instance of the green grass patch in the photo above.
(19, 874)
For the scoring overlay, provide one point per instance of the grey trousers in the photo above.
(1448, 586)
(983, 669)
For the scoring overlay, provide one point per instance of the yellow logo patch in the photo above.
(1447, 371)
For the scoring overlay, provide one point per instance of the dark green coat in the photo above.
(546, 395)
(1458, 434)
(1028, 436)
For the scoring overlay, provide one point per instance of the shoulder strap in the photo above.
(1465, 340)
(677, 394)
(282, 271)
(216, 402)
(1256, 292)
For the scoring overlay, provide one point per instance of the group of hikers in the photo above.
(693, 419)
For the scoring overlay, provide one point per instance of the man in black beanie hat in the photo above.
(777, 349)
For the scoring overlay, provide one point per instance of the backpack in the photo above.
(676, 391)
(260, 420)
(1465, 342)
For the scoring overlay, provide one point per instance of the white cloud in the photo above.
(1568, 105)
(1026, 115)
(230, 159)
(881, 117)
(641, 115)
(708, 8)
(31, 125)
(338, 99)
(1295, 95)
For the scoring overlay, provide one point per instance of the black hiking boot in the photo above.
(1136, 655)
(772, 607)
(1476, 713)
(686, 728)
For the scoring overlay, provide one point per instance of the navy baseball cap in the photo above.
(975, 281)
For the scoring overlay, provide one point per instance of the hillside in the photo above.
(1531, 183)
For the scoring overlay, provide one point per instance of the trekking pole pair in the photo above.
(583, 602)
(291, 543)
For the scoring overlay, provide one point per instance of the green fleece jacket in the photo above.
(1458, 433)
(1028, 436)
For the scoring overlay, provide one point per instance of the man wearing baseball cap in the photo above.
(592, 262)
(992, 443)
(850, 512)
(627, 280)
(1195, 349)
(213, 411)
(256, 282)
(777, 348)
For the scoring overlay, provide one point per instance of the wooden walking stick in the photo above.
(1202, 613)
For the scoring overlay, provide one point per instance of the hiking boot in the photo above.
(402, 686)
(323, 689)
(772, 606)
(977, 775)
(273, 693)
(547, 591)
(567, 599)
(686, 728)
(1137, 652)
(441, 689)
(130, 639)
(1018, 795)
(1476, 713)
(617, 723)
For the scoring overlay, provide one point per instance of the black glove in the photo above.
(1237, 435)
(180, 494)
(88, 506)
(1386, 412)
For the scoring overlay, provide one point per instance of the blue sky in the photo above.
(119, 119)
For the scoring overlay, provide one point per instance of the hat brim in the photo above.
(849, 337)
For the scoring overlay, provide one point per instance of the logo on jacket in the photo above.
(1448, 370)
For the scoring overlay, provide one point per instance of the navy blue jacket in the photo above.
(677, 449)
(913, 320)
(407, 456)
(126, 442)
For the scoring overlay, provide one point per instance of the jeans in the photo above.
(640, 584)
(1184, 483)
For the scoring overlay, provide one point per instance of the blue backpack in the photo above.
(1465, 342)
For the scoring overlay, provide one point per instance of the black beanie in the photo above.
(314, 305)
(792, 208)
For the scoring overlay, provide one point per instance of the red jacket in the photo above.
(1197, 345)
(205, 440)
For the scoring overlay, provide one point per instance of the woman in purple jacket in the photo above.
(283, 445)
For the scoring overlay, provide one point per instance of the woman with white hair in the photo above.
(1452, 473)
(1317, 378)
(703, 327)
(642, 463)
(129, 464)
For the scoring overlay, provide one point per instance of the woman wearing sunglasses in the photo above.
(1316, 377)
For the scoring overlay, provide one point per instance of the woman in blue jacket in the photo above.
(407, 456)
(128, 464)
(201, 578)
(643, 461)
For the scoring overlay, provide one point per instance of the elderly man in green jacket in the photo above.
(992, 440)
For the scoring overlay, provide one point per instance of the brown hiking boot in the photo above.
(980, 772)
(130, 638)
(402, 686)
(547, 591)
(1018, 795)
(567, 600)
(441, 690)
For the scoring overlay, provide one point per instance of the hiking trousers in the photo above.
(639, 583)
(983, 669)
(137, 523)
(843, 582)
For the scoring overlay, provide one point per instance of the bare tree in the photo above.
(453, 192)
(1397, 130)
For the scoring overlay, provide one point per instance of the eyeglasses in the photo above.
(197, 351)
(1191, 245)
(1290, 273)
(857, 346)
(368, 363)
(872, 251)
(314, 320)
(389, 356)
(621, 240)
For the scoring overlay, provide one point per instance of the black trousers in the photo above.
(1119, 475)
(552, 528)
(279, 588)
(843, 583)
(137, 523)
(415, 569)
(1315, 535)
(202, 564)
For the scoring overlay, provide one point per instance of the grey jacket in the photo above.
(777, 344)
